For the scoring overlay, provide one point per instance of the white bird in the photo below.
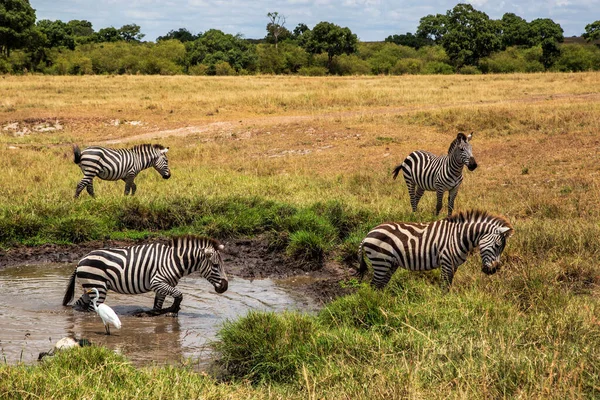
(105, 312)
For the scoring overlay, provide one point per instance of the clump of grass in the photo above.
(308, 248)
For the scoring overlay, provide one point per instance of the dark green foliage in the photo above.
(58, 34)
(470, 35)
(77, 229)
(17, 20)
(592, 31)
(214, 47)
(410, 40)
(181, 34)
(331, 39)
(515, 31)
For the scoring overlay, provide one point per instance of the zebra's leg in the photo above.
(128, 182)
(411, 192)
(84, 303)
(90, 189)
(451, 196)
(382, 273)
(84, 183)
(440, 199)
(418, 194)
(133, 187)
(159, 299)
(447, 276)
(164, 289)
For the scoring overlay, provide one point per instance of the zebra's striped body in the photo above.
(119, 164)
(444, 243)
(150, 267)
(424, 171)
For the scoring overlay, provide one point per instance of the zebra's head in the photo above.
(161, 163)
(491, 246)
(216, 273)
(461, 148)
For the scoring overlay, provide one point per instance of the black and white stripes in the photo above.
(424, 171)
(119, 164)
(140, 269)
(445, 243)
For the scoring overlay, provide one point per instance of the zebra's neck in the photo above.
(468, 234)
(145, 156)
(455, 164)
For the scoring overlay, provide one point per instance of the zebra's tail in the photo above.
(70, 293)
(77, 154)
(396, 171)
(362, 269)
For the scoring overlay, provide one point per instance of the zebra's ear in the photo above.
(506, 231)
(163, 151)
(470, 136)
(220, 247)
(208, 251)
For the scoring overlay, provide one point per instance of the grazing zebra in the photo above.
(423, 171)
(142, 268)
(444, 243)
(116, 164)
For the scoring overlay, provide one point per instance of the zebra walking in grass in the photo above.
(119, 164)
(444, 243)
(142, 268)
(423, 171)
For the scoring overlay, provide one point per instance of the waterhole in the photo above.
(32, 318)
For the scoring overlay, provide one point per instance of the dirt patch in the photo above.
(245, 258)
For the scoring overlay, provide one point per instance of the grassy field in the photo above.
(310, 160)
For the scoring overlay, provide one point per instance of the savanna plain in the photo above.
(306, 163)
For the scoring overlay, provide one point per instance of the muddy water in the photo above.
(32, 317)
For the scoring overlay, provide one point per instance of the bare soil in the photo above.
(244, 258)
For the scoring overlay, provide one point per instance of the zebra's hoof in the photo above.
(171, 314)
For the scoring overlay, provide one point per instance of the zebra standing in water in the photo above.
(444, 243)
(423, 171)
(116, 164)
(142, 268)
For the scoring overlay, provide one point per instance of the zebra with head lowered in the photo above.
(142, 268)
(444, 243)
(423, 171)
(119, 164)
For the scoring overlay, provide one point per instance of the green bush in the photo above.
(77, 229)
(308, 249)
(223, 68)
(408, 66)
(437, 68)
(313, 71)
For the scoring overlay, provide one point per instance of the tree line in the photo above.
(463, 40)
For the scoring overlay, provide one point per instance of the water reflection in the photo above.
(33, 319)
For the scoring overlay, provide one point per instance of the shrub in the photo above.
(223, 68)
(308, 248)
(438, 68)
(312, 71)
(408, 66)
(469, 70)
(198, 69)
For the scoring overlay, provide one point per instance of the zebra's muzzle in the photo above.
(221, 287)
(491, 269)
(167, 175)
(472, 164)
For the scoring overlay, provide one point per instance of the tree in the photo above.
(131, 33)
(544, 29)
(410, 40)
(332, 39)
(214, 47)
(58, 34)
(80, 28)
(17, 19)
(107, 35)
(275, 27)
(515, 31)
(470, 35)
(182, 34)
(592, 31)
(432, 27)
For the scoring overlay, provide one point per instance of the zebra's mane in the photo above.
(175, 240)
(148, 146)
(460, 137)
(479, 215)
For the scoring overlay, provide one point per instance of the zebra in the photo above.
(142, 268)
(115, 164)
(425, 246)
(423, 171)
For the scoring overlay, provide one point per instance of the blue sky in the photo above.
(371, 20)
